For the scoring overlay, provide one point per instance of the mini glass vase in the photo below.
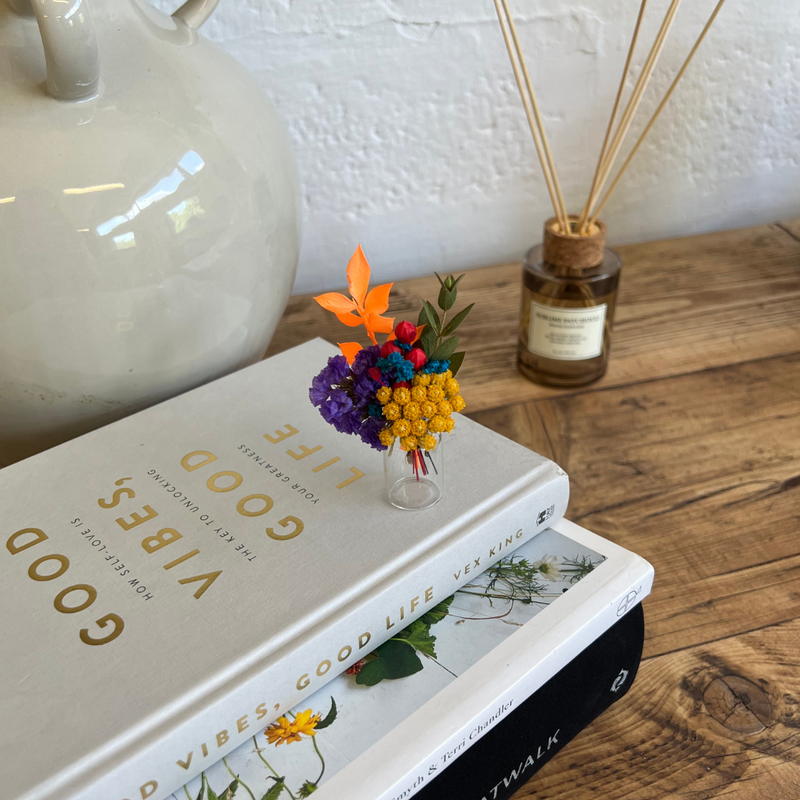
(414, 479)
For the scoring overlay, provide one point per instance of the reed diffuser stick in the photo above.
(659, 109)
(531, 120)
(585, 210)
(539, 124)
(635, 100)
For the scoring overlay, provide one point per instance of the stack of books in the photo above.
(225, 563)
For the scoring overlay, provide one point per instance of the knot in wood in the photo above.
(738, 704)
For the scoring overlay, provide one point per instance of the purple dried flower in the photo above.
(332, 375)
(364, 389)
(366, 358)
(369, 431)
(344, 394)
(338, 411)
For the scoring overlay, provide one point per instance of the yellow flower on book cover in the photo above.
(289, 730)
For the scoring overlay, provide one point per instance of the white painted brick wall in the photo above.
(411, 138)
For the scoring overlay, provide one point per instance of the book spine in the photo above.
(174, 754)
(515, 748)
(401, 763)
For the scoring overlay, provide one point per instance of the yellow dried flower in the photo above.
(436, 394)
(449, 424)
(445, 409)
(448, 374)
(391, 411)
(422, 379)
(419, 394)
(458, 403)
(386, 436)
(428, 442)
(401, 427)
(412, 410)
(436, 425)
(428, 409)
(409, 443)
(438, 378)
(451, 387)
(384, 394)
(401, 395)
(419, 427)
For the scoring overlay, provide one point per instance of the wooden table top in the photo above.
(687, 452)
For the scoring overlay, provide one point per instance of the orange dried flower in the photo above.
(363, 307)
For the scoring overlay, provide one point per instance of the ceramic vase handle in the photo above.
(70, 48)
(195, 12)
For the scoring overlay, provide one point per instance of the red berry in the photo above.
(417, 357)
(405, 332)
(401, 385)
(388, 348)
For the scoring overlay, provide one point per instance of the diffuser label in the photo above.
(568, 334)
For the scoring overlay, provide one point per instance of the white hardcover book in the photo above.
(498, 640)
(175, 581)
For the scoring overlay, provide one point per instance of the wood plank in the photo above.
(624, 444)
(685, 305)
(792, 227)
(690, 727)
(700, 474)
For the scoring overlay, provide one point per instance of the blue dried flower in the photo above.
(396, 365)
(436, 366)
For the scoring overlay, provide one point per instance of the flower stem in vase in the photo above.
(414, 478)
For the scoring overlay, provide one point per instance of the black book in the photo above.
(505, 758)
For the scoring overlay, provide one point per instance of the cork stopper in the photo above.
(573, 252)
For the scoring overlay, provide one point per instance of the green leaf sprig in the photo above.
(398, 657)
(437, 339)
(330, 717)
(277, 789)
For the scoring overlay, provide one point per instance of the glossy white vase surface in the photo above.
(148, 228)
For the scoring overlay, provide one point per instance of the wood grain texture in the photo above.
(688, 452)
(700, 474)
(792, 227)
(662, 740)
(684, 305)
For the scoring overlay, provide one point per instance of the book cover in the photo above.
(175, 581)
(519, 746)
(392, 727)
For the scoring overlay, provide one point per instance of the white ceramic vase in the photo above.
(148, 214)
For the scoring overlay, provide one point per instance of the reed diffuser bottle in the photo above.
(569, 293)
(569, 282)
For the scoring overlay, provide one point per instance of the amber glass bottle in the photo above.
(569, 294)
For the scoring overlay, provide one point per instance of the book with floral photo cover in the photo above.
(396, 722)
